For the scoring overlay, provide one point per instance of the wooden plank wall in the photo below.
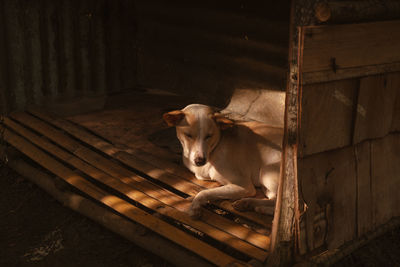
(342, 113)
(336, 52)
(375, 106)
(385, 182)
(349, 155)
(329, 195)
(327, 106)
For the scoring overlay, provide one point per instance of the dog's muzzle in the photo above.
(199, 161)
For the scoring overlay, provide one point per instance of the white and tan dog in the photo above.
(240, 156)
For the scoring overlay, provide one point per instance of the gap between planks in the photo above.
(146, 165)
(128, 181)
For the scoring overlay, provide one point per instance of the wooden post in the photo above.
(283, 236)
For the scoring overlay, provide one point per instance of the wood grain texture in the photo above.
(328, 182)
(326, 116)
(385, 173)
(365, 203)
(331, 48)
(376, 105)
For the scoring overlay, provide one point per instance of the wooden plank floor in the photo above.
(150, 190)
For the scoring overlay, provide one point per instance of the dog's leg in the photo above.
(269, 176)
(199, 177)
(229, 191)
(264, 206)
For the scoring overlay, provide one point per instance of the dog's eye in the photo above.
(208, 136)
(188, 135)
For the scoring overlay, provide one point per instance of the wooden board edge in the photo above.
(350, 46)
(348, 73)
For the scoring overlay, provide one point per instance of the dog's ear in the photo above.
(223, 122)
(173, 118)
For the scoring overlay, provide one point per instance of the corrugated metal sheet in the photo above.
(63, 49)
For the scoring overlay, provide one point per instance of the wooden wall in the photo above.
(349, 140)
(349, 157)
(350, 111)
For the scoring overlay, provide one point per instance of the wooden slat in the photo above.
(155, 171)
(351, 11)
(385, 182)
(111, 149)
(364, 193)
(117, 204)
(170, 167)
(335, 48)
(103, 163)
(327, 116)
(375, 108)
(348, 73)
(396, 111)
(145, 186)
(328, 182)
(99, 143)
(175, 182)
(159, 206)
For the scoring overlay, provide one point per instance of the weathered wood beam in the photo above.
(356, 11)
(337, 52)
(285, 223)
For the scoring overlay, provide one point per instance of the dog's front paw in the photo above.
(195, 212)
(241, 205)
(199, 177)
(265, 210)
(195, 208)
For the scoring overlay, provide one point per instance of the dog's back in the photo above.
(248, 148)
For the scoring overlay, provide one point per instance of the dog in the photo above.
(239, 155)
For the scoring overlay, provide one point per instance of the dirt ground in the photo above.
(35, 230)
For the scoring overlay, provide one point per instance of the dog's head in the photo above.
(198, 128)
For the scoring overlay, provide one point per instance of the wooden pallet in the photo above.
(136, 184)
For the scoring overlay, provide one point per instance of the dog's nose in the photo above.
(200, 161)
